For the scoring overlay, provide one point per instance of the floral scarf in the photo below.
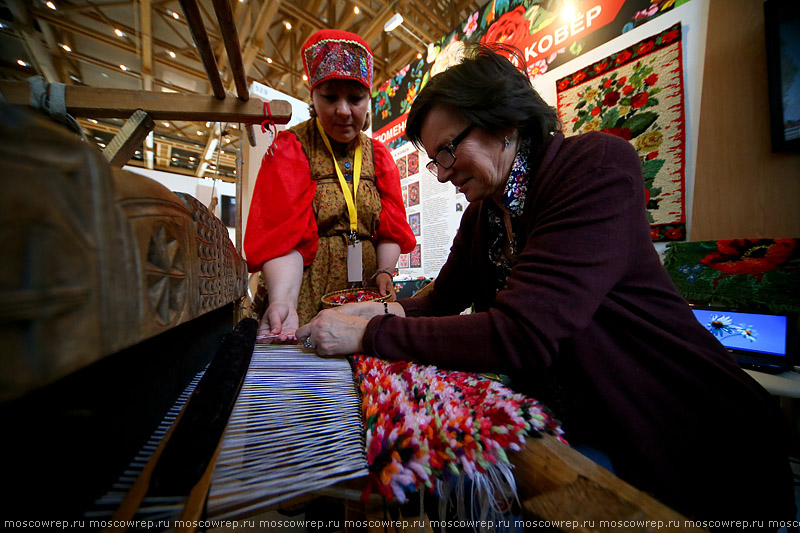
(502, 253)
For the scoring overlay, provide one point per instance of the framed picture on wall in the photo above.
(413, 221)
(782, 28)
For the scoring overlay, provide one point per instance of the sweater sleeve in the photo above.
(578, 246)
(394, 224)
(281, 217)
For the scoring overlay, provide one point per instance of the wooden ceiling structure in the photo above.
(148, 45)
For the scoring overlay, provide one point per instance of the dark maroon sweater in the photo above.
(590, 324)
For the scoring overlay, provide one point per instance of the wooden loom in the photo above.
(117, 295)
(121, 293)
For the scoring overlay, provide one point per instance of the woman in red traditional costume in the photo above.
(327, 207)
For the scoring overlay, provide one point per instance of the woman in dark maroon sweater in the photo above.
(570, 299)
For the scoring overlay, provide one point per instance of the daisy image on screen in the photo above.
(721, 325)
(749, 333)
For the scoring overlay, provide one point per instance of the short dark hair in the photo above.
(490, 92)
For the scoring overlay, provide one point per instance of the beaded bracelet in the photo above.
(383, 271)
(385, 308)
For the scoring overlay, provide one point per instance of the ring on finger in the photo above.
(307, 343)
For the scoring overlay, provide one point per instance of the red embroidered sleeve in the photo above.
(394, 224)
(281, 216)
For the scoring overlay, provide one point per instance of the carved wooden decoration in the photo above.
(95, 259)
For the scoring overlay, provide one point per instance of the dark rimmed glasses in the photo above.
(446, 157)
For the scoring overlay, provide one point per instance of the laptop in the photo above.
(758, 340)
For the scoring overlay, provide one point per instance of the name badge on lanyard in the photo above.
(354, 266)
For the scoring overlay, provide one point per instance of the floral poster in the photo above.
(637, 94)
(538, 28)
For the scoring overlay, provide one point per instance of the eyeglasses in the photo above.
(446, 157)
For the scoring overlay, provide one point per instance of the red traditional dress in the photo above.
(298, 204)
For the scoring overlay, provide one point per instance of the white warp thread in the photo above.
(296, 427)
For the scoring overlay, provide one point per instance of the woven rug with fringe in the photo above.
(444, 431)
(747, 273)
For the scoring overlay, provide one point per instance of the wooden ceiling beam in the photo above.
(412, 26)
(146, 39)
(160, 43)
(110, 41)
(89, 7)
(24, 25)
(428, 13)
(374, 28)
(121, 103)
(169, 22)
(292, 10)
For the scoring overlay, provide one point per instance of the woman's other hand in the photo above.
(334, 333)
(385, 285)
(278, 324)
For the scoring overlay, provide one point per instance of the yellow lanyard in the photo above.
(349, 198)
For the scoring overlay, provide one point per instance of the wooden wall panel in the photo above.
(742, 189)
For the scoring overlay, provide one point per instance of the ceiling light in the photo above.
(305, 78)
(66, 48)
(101, 145)
(393, 22)
(119, 32)
(175, 15)
(93, 121)
(269, 60)
(166, 124)
(123, 67)
(419, 55)
(191, 158)
(22, 63)
(208, 124)
(287, 24)
(174, 158)
(171, 54)
(356, 10)
(51, 5)
(199, 132)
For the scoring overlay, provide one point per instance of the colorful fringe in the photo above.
(431, 428)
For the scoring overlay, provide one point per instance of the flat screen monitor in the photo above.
(757, 340)
(782, 29)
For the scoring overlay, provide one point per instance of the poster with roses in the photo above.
(536, 27)
(637, 94)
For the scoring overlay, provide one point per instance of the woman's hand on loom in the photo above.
(385, 285)
(278, 324)
(334, 333)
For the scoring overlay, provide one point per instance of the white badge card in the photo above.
(354, 266)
